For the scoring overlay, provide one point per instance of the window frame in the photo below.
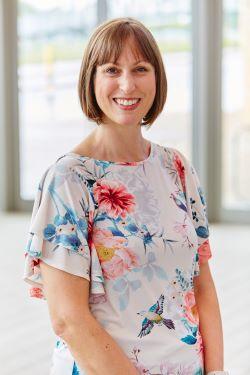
(9, 140)
(207, 116)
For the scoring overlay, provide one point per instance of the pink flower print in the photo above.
(34, 262)
(142, 369)
(104, 237)
(106, 243)
(204, 252)
(113, 268)
(191, 312)
(129, 258)
(181, 228)
(138, 365)
(97, 298)
(36, 292)
(113, 198)
(34, 265)
(200, 347)
(180, 169)
(175, 368)
(113, 254)
(122, 261)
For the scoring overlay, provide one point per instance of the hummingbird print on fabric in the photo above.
(153, 316)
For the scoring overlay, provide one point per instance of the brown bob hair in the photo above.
(105, 45)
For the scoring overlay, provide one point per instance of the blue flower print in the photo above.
(64, 232)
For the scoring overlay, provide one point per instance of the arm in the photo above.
(210, 319)
(91, 346)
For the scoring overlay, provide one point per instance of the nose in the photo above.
(127, 83)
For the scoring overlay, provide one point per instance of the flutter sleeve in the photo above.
(60, 231)
(196, 206)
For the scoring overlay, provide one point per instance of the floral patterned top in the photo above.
(138, 232)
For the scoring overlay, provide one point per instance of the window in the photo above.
(51, 40)
(236, 105)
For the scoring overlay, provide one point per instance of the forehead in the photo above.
(128, 49)
(130, 52)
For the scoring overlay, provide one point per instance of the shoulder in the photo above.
(179, 165)
(173, 158)
(66, 171)
(68, 163)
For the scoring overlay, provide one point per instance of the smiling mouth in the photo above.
(127, 103)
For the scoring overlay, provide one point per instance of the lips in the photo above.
(128, 103)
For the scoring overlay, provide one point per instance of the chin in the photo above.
(122, 120)
(127, 121)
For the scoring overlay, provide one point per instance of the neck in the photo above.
(120, 143)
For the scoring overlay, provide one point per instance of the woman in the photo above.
(119, 237)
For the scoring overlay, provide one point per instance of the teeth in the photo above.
(127, 102)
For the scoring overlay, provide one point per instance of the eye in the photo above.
(111, 70)
(141, 69)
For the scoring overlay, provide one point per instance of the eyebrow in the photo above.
(137, 62)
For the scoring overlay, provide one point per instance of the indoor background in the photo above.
(206, 51)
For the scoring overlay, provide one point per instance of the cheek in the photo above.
(103, 88)
(152, 84)
(97, 88)
(151, 89)
(149, 85)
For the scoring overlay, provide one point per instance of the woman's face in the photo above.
(125, 91)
